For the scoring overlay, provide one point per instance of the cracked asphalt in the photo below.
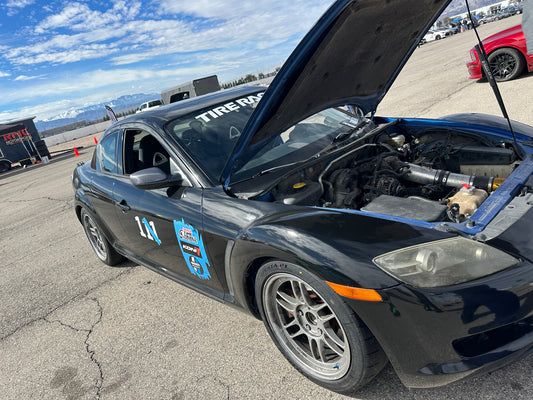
(72, 328)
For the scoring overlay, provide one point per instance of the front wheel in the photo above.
(315, 329)
(506, 64)
(105, 252)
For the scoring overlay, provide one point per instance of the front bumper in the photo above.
(474, 70)
(434, 337)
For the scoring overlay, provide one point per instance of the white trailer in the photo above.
(191, 89)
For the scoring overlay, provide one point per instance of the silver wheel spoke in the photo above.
(296, 289)
(327, 318)
(290, 324)
(305, 295)
(297, 333)
(286, 301)
(321, 350)
(334, 342)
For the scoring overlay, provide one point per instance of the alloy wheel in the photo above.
(306, 326)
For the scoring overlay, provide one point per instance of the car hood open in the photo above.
(350, 57)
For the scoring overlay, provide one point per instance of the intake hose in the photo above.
(423, 175)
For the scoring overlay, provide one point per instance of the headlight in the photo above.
(444, 262)
(473, 55)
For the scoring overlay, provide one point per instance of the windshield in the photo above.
(300, 142)
(210, 134)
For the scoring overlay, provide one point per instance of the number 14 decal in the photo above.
(147, 229)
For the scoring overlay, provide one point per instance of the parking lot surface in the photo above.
(72, 328)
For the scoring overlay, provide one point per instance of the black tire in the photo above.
(105, 252)
(506, 64)
(5, 166)
(315, 329)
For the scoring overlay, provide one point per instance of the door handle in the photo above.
(124, 206)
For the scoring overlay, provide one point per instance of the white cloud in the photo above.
(2, 74)
(14, 6)
(68, 56)
(27, 78)
(100, 34)
(79, 17)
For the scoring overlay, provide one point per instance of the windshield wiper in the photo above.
(277, 167)
(353, 128)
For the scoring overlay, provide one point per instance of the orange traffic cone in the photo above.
(76, 153)
(95, 140)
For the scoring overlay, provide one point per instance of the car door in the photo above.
(162, 228)
(103, 184)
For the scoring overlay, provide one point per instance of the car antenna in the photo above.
(490, 77)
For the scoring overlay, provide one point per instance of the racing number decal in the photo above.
(150, 230)
(192, 249)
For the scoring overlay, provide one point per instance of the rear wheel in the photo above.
(5, 166)
(315, 329)
(99, 243)
(505, 64)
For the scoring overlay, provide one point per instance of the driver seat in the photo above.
(152, 154)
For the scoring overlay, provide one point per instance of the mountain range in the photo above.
(95, 112)
(459, 6)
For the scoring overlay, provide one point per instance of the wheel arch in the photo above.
(82, 202)
(513, 47)
(509, 46)
(335, 259)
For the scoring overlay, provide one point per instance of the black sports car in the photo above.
(357, 239)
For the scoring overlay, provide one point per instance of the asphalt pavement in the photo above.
(73, 328)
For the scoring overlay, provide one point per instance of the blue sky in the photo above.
(61, 55)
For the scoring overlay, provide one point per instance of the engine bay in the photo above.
(434, 175)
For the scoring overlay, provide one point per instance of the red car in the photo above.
(507, 55)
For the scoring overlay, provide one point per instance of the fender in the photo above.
(331, 243)
(491, 122)
(82, 200)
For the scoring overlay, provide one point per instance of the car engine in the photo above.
(433, 176)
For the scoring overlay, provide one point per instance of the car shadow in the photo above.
(524, 75)
(126, 264)
(510, 379)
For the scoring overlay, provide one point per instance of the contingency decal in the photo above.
(192, 248)
(229, 107)
(150, 230)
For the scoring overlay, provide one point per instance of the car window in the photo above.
(209, 135)
(107, 154)
(142, 150)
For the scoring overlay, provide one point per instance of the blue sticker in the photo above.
(192, 248)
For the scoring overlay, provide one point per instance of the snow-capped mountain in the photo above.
(95, 112)
(459, 6)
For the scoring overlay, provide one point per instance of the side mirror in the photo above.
(154, 178)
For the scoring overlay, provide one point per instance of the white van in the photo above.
(149, 105)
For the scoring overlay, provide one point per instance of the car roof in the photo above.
(161, 115)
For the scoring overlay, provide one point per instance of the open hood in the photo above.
(350, 57)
